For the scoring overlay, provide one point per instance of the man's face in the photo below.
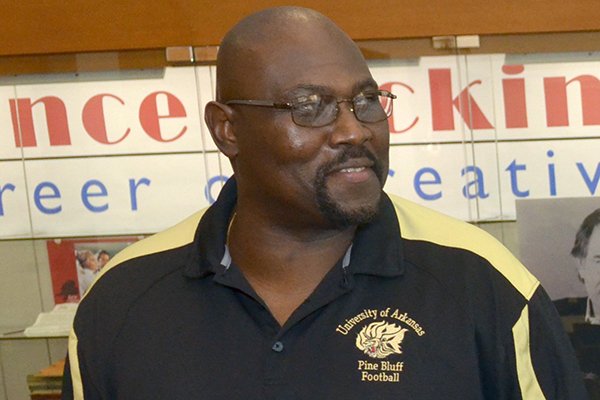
(102, 260)
(91, 263)
(332, 174)
(589, 269)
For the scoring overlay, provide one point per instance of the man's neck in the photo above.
(284, 265)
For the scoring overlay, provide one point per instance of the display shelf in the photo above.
(17, 333)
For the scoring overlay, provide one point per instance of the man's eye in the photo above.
(308, 104)
(306, 107)
(366, 98)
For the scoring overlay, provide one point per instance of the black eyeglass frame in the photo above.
(291, 105)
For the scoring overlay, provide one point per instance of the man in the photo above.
(87, 270)
(586, 251)
(586, 337)
(304, 280)
(103, 258)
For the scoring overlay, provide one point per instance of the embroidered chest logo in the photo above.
(381, 336)
(380, 339)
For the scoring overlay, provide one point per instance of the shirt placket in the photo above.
(277, 383)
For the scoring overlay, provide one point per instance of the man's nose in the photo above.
(347, 129)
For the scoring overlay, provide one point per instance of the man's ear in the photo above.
(580, 267)
(218, 119)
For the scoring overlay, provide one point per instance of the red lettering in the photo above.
(94, 120)
(469, 109)
(391, 121)
(555, 92)
(515, 106)
(56, 121)
(440, 88)
(442, 103)
(150, 117)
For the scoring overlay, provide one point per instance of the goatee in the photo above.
(330, 208)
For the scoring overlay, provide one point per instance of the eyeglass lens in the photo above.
(320, 110)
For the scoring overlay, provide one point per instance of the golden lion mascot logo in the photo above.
(380, 339)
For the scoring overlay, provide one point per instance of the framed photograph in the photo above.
(560, 244)
(557, 244)
(74, 264)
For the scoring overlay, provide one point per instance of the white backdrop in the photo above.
(470, 135)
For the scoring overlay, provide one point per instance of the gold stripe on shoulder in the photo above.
(530, 387)
(74, 366)
(176, 236)
(421, 223)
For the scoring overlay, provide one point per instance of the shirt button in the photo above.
(278, 347)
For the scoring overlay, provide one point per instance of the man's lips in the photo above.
(353, 165)
(353, 169)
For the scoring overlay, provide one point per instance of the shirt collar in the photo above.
(377, 246)
(590, 315)
(208, 247)
(376, 249)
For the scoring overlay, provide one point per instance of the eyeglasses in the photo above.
(317, 110)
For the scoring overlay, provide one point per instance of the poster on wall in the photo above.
(560, 244)
(75, 263)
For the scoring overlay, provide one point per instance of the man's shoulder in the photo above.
(174, 237)
(418, 222)
(151, 256)
(150, 268)
(422, 224)
(416, 218)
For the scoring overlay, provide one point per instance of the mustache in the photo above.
(349, 153)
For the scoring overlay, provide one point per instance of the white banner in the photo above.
(481, 98)
(469, 135)
(107, 117)
(482, 182)
(115, 195)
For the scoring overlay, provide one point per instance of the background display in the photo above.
(94, 161)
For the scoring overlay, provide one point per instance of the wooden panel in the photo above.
(82, 62)
(58, 26)
(510, 44)
(372, 49)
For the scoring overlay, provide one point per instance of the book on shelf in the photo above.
(47, 383)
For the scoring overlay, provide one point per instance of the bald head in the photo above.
(257, 45)
(297, 56)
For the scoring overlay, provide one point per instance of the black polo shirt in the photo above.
(421, 307)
